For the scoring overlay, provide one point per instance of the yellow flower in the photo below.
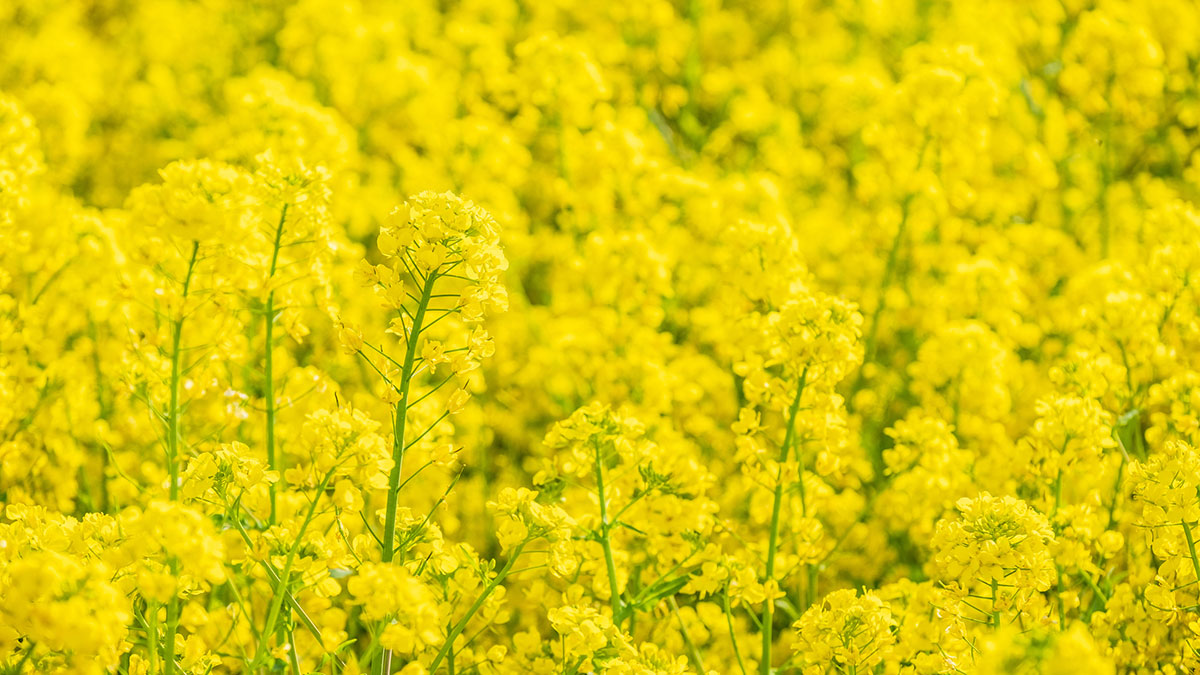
(198, 200)
(845, 632)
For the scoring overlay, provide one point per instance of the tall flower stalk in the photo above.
(269, 360)
(447, 250)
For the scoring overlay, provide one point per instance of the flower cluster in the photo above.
(996, 545)
(845, 632)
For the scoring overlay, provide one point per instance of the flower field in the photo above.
(495, 337)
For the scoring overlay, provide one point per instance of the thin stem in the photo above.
(1058, 484)
(450, 657)
(293, 653)
(995, 611)
(605, 540)
(889, 271)
(269, 383)
(1062, 610)
(1187, 533)
(173, 413)
(483, 596)
(1112, 506)
(1106, 179)
(152, 638)
(398, 446)
(812, 587)
(773, 541)
(693, 652)
(425, 433)
(103, 409)
(173, 442)
(737, 650)
(434, 389)
(297, 610)
(281, 585)
(172, 625)
(1095, 589)
(366, 359)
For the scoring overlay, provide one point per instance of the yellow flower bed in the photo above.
(490, 337)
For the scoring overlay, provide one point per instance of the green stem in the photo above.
(448, 647)
(293, 605)
(152, 638)
(1062, 615)
(1057, 493)
(173, 413)
(1187, 533)
(398, 446)
(737, 650)
(1106, 180)
(605, 539)
(172, 624)
(173, 443)
(885, 283)
(1116, 490)
(811, 599)
(293, 653)
(1095, 589)
(281, 590)
(269, 367)
(1062, 610)
(773, 541)
(1112, 506)
(693, 652)
(995, 611)
(104, 411)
